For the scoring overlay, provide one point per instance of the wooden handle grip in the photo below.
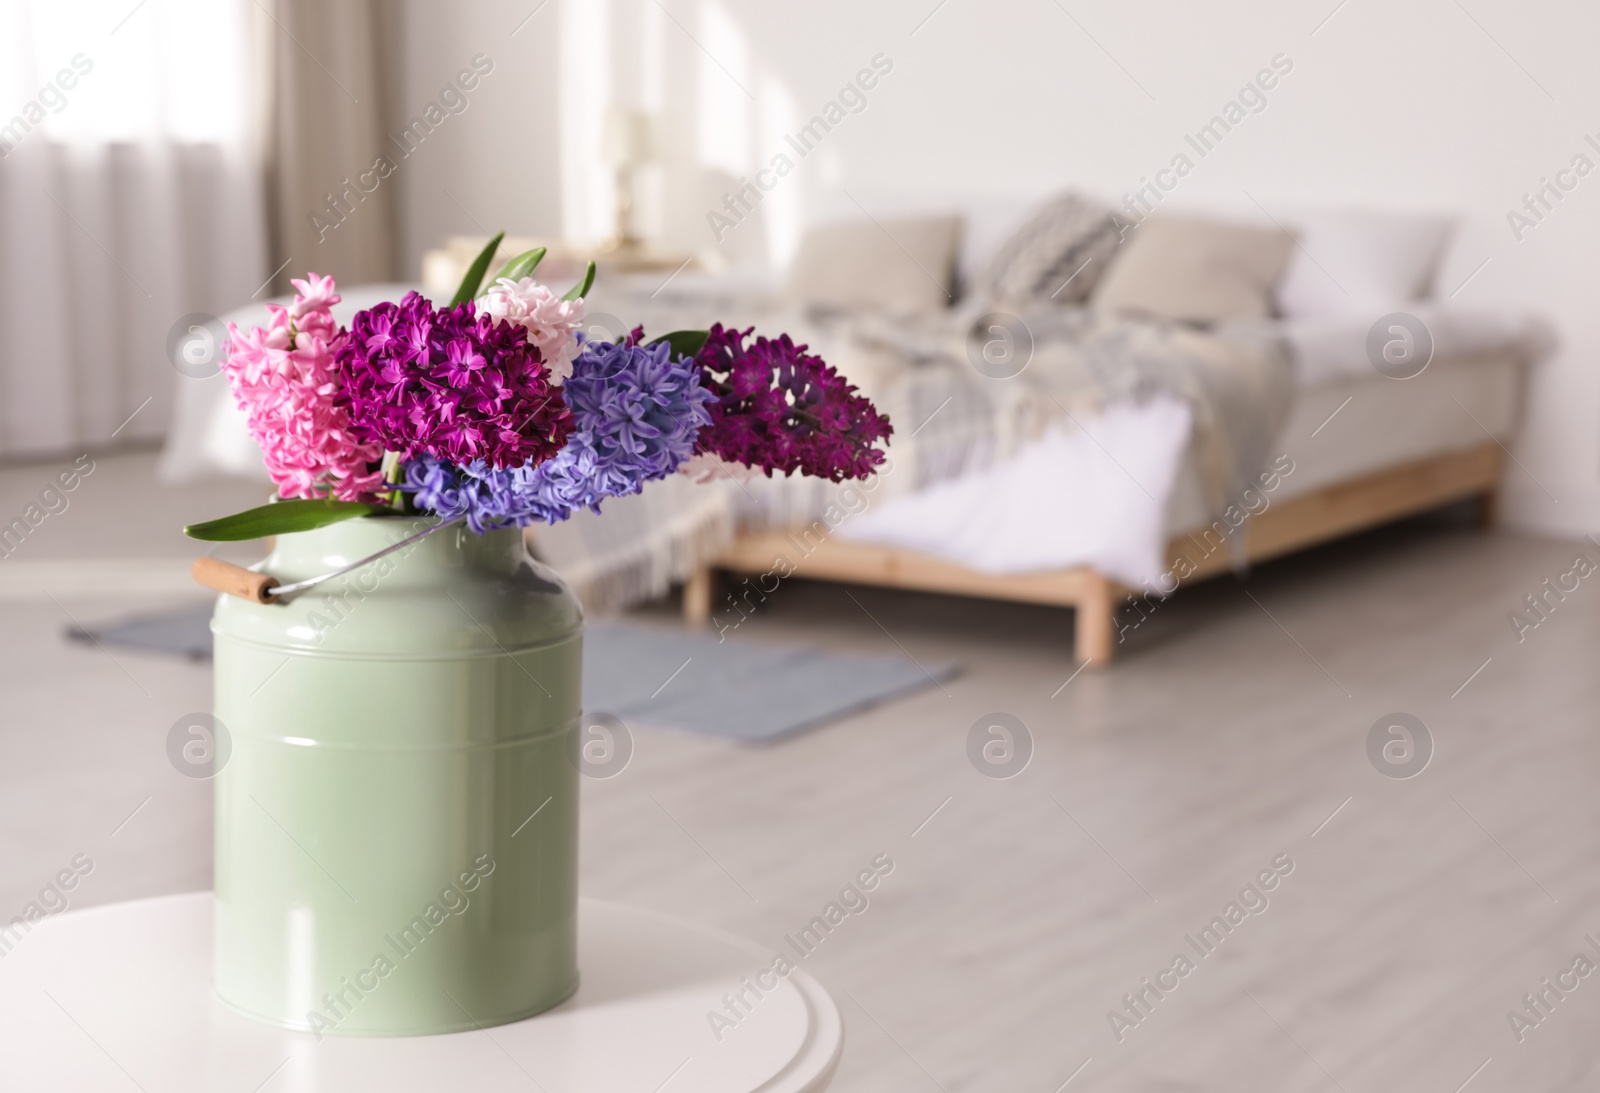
(235, 580)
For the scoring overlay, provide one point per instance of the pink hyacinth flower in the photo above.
(283, 378)
(551, 322)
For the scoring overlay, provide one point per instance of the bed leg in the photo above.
(1489, 508)
(1095, 624)
(697, 593)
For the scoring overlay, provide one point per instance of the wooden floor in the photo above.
(1019, 912)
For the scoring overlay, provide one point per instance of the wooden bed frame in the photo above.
(1286, 526)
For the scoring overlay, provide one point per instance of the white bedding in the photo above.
(1356, 426)
(1093, 496)
(1326, 349)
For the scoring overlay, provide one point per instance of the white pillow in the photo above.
(1354, 261)
(208, 438)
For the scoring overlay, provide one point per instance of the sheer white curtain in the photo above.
(130, 196)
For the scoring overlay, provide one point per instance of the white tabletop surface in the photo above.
(119, 998)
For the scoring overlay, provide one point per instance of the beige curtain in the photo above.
(331, 204)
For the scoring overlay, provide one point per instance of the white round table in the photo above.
(119, 998)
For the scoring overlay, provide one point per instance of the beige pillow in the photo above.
(1195, 270)
(899, 266)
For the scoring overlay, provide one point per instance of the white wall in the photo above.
(1425, 106)
(496, 164)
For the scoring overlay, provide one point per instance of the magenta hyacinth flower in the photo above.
(781, 409)
(450, 383)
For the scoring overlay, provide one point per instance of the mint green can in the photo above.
(396, 804)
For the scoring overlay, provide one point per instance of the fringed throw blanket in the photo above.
(640, 546)
(1054, 367)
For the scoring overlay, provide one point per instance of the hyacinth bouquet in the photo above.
(496, 410)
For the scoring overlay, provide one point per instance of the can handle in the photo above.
(247, 584)
(235, 580)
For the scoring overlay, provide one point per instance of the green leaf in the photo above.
(685, 343)
(280, 518)
(475, 272)
(581, 289)
(519, 267)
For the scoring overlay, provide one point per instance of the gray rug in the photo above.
(741, 689)
(182, 633)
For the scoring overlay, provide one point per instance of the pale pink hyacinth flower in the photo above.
(551, 322)
(283, 378)
(710, 467)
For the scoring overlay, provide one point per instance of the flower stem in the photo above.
(391, 474)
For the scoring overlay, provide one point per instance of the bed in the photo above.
(1365, 452)
(1220, 338)
(1362, 446)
